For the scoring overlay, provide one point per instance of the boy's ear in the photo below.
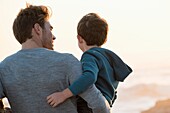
(80, 39)
(37, 28)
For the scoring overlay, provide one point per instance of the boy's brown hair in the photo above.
(93, 29)
(25, 20)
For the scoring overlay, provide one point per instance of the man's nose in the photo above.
(54, 37)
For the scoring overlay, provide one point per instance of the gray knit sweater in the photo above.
(29, 76)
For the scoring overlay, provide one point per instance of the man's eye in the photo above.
(51, 28)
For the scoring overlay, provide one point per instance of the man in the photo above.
(31, 74)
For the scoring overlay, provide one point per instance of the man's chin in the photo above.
(50, 48)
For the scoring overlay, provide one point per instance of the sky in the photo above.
(139, 30)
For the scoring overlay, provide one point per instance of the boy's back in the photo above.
(110, 70)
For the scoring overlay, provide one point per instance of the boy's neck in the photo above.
(89, 47)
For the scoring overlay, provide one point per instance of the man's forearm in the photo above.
(95, 100)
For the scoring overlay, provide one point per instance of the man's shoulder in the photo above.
(8, 58)
(65, 57)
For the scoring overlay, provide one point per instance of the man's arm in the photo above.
(92, 95)
(2, 95)
(95, 100)
(88, 78)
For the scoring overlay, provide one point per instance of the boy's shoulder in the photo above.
(97, 51)
(99, 54)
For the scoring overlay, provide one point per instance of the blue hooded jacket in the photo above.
(103, 68)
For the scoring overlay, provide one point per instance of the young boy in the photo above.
(100, 66)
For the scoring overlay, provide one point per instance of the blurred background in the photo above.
(139, 32)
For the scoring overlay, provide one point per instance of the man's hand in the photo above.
(59, 97)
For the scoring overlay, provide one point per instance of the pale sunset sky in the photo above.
(139, 30)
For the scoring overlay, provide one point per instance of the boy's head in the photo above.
(93, 29)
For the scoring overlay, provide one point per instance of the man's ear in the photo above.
(37, 28)
(80, 39)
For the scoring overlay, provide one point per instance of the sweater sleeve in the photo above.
(88, 77)
(2, 95)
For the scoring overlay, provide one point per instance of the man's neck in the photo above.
(30, 44)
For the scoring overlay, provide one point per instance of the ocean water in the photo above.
(142, 89)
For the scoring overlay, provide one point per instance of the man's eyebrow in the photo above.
(51, 27)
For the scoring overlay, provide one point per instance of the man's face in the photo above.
(47, 36)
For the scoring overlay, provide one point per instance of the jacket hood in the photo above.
(121, 70)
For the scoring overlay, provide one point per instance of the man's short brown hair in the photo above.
(25, 20)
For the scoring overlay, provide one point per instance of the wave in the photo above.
(150, 90)
(161, 106)
(140, 97)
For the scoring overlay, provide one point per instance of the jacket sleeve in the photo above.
(92, 95)
(88, 77)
